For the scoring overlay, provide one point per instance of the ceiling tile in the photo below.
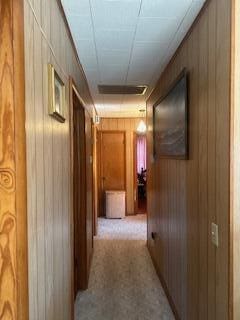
(87, 53)
(120, 14)
(165, 9)
(114, 39)
(142, 70)
(113, 74)
(113, 98)
(81, 7)
(81, 27)
(148, 51)
(113, 56)
(92, 73)
(135, 77)
(156, 29)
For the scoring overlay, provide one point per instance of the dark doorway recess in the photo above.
(140, 174)
(79, 191)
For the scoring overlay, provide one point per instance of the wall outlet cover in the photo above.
(214, 234)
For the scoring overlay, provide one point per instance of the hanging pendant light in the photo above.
(142, 127)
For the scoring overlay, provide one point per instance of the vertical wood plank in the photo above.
(39, 168)
(211, 159)
(222, 154)
(48, 182)
(235, 169)
(8, 220)
(31, 159)
(192, 192)
(13, 202)
(203, 165)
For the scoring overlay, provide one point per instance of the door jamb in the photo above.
(73, 90)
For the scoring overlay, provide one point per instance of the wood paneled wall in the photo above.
(48, 162)
(185, 197)
(13, 212)
(130, 126)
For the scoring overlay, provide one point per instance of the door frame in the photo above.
(95, 179)
(99, 167)
(73, 91)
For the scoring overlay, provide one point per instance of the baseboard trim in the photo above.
(163, 283)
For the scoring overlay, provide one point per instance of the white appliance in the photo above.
(115, 204)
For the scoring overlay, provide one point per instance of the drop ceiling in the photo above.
(127, 42)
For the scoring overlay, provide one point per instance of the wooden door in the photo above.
(79, 197)
(112, 163)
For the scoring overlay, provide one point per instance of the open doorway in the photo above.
(79, 195)
(140, 173)
(81, 163)
(111, 167)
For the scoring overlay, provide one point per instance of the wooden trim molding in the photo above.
(71, 86)
(13, 186)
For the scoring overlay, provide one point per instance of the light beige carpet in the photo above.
(123, 282)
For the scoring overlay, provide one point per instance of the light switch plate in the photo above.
(214, 231)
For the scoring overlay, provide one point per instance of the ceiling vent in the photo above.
(133, 90)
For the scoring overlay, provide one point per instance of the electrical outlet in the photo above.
(214, 231)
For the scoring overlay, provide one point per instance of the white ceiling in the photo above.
(127, 42)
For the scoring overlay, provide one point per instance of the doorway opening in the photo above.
(112, 170)
(140, 172)
(80, 277)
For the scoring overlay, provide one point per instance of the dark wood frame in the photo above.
(183, 74)
(52, 75)
(95, 172)
(74, 91)
(99, 169)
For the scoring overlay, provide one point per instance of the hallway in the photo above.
(114, 108)
(123, 283)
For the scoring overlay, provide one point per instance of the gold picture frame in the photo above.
(57, 100)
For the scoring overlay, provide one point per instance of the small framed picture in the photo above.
(56, 95)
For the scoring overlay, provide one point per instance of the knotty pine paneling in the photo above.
(186, 196)
(130, 126)
(48, 162)
(13, 213)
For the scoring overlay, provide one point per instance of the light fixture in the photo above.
(96, 119)
(141, 127)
